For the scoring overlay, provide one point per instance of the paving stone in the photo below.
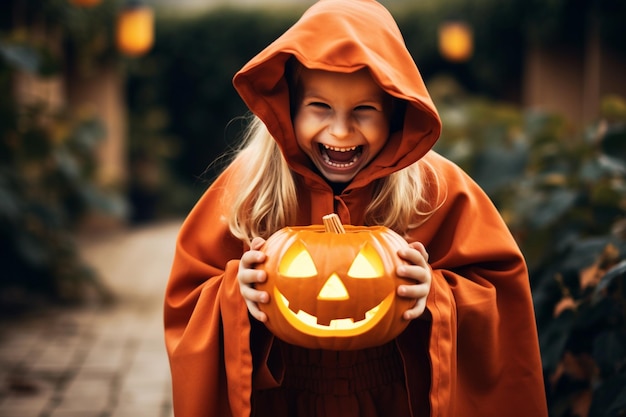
(16, 343)
(97, 361)
(87, 393)
(26, 396)
(106, 355)
(57, 357)
(75, 413)
(138, 411)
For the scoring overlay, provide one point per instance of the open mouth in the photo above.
(337, 157)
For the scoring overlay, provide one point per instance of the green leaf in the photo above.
(9, 205)
(500, 165)
(618, 271)
(553, 339)
(609, 351)
(20, 57)
(614, 143)
(32, 249)
(551, 207)
(609, 398)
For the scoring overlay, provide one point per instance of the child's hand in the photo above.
(248, 276)
(419, 270)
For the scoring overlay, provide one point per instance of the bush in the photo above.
(563, 195)
(183, 107)
(46, 161)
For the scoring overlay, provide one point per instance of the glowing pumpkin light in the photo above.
(333, 290)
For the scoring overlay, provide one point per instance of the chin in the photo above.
(338, 178)
(333, 176)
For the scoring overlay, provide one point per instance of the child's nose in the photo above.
(340, 127)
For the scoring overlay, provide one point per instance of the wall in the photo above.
(572, 80)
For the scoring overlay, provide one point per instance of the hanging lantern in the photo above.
(135, 29)
(85, 3)
(456, 41)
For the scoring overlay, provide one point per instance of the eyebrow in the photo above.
(377, 96)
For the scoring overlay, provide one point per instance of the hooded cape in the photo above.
(475, 351)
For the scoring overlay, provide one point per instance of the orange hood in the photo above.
(343, 36)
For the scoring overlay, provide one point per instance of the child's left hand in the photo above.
(420, 271)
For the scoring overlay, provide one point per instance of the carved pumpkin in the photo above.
(334, 291)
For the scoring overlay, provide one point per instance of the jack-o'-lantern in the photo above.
(334, 289)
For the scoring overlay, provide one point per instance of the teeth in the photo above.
(334, 148)
(340, 165)
(337, 324)
(345, 164)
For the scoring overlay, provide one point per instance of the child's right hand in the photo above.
(248, 276)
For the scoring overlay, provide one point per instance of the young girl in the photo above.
(344, 123)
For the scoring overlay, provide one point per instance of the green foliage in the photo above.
(45, 162)
(563, 194)
(184, 109)
(88, 32)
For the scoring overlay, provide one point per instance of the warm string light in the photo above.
(134, 34)
(456, 41)
(135, 29)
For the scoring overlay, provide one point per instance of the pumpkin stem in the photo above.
(332, 224)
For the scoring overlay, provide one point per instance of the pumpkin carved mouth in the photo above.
(339, 326)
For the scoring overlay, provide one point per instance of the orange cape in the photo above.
(478, 339)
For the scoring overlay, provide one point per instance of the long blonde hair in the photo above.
(265, 198)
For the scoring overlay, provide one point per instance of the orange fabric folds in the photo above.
(475, 351)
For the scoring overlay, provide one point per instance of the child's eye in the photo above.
(319, 104)
(364, 107)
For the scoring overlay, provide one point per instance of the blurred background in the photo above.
(114, 115)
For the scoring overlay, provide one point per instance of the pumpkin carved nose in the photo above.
(333, 289)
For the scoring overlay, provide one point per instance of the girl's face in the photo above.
(341, 121)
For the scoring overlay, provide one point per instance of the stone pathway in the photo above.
(97, 361)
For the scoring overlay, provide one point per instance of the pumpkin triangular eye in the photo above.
(297, 262)
(367, 264)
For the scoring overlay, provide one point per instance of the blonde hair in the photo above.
(265, 198)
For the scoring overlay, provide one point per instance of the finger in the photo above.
(253, 295)
(419, 246)
(414, 255)
(421, 274)
(249, 277)
(416, 311)
(251, 258)
(414, 291)
(255, 312)
(253, 298)
(257, 243)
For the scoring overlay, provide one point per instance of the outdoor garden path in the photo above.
(97, 361)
